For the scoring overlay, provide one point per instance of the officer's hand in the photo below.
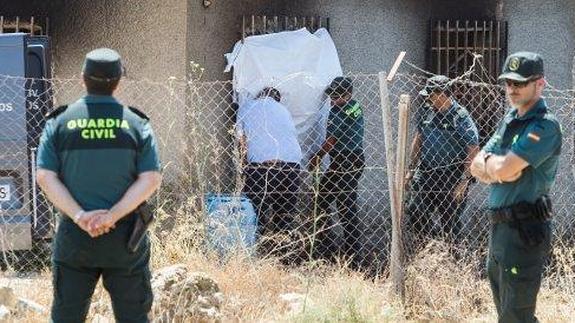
(84, 220)
(313, 163)
(102, 224)
(407, 179)
(477, 169)
(460, 189)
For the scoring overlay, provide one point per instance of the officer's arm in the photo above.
(415, 151)
(542, 140)
(326, 147)
(505, 168)
(243, 147)
(478, 169)
(471, 153)
(141, 190)
(57, 193)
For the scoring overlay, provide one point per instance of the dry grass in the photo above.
(438, 287)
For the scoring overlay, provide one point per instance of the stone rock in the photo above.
(164, 278)
(7, 297)
(4, 313)
(183, 296)
(293, 301)
(25, 305)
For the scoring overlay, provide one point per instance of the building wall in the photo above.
(546, 27)
(151, 37)
(368, 34)
(24, 9)
(149, 34)
(213, 31)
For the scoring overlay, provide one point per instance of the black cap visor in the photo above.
(517, 77)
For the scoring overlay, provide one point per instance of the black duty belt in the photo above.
(523, 211)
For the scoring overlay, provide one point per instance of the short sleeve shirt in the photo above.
(270, 132)
(98, 148)
(535, 137)
(446, 136)
(346, 125)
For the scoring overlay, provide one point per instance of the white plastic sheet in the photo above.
(300, 65)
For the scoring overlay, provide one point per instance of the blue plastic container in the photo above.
(231, 223)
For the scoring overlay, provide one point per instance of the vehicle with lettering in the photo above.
(25, 98)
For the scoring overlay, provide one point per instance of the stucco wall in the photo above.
(546, 27)
(23, 9)
(213, 31)
(370, 34)
(150, 35)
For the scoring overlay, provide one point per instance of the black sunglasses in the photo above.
(519, 84)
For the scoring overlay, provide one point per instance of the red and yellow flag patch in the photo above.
(533, 136)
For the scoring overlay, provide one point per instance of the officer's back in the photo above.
(97, 161)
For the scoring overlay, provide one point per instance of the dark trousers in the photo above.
(434, 190)
(339, 184)
(78, 263)
(515, 270)
(273, 189)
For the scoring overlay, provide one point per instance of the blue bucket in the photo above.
(231, 223)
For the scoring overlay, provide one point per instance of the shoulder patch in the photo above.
(56, 112)
(462, 113)
(139, 113)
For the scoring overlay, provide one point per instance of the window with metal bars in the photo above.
(32, 25)
(452, 45)
(259, 25)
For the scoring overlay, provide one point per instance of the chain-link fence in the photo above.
(319, 189)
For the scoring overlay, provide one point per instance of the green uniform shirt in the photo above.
(536, 138)
(346, 125)
(98, 147)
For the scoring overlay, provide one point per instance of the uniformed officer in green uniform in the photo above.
(520, 164)
(443, 147)
(344, 144)
(97, 162)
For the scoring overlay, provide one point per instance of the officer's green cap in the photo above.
(436, 83)
(103, 64)
(339, 86)
(522, 67)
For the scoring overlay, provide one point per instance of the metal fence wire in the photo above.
(213, 148)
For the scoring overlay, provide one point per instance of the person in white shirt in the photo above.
(272, 160)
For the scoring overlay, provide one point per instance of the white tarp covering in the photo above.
(300, 65)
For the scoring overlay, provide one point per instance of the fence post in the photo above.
(402, 134)
(396, 269)
(573, 107)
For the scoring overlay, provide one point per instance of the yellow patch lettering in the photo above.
(71, 124)
(98, 129)
(99, 133)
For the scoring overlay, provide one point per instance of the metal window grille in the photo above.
(259, 25)
(452, 45)
(32, 25)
